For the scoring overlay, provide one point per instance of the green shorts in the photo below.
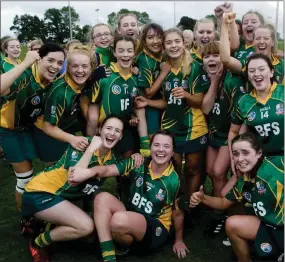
(155, 236)
(49, 149)
(17, 145)
(269, 241)
(153, 120)
(130, 140)
(33, 202)
(217, 141)
(196, 145)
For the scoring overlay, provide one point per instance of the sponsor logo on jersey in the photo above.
(135, 92)
(266, 247)
(139, 181)
(279, 109)
(203, 140)
(175, 80)
(46, 200)
(74, 154)
(242, 89)
(167, 86)
(184, 84)
(260, 187)
(204, 78)
(116, 89)
(158, 231)
(160, 195)
(53, 110)
(251, 116)
(35, 100)
(150, 185)
(247, 196)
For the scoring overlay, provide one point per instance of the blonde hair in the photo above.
(271, 28)
(120, 17)
(187, 58)
(6, 42)
(36, 42)
(81, 49)
(100, 24)
(71, 42)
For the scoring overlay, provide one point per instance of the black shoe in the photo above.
(121, 250)
(215, 227)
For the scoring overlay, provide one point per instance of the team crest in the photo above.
(203, 140)
(260, 187)
(53, 110)
(204, 78)
(279, 109)
(134, 92)
(74, 155)
(160, 196)
(242, 89)
(266, 247)
(158, 231)
(251, 116)
(35, 100)
(139, 181)
(247, 196)
(167, 86)
(116, 89)
(184, 84)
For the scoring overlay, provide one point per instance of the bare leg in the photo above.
(211, 156)
(92, 120)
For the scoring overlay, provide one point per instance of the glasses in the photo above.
(98, 36)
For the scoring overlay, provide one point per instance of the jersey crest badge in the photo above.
(160, 196)
(53, 110)
(247, 196)
(158, 231)
(205, 78)
(74, 155)
(251, 116)
(260, 187)
(242, 89)
(266, 247)
(139, 181)
(167, 86)
(279, 109)
(116, 90)
(134, 92)
(35, 100)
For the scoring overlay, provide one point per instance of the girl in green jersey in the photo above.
(12, 49)
(262, 187)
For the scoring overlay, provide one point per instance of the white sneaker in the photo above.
(227, 242)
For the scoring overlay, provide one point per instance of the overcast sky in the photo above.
(161, 12)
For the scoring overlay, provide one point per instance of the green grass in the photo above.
(14, 247)
(281, 45)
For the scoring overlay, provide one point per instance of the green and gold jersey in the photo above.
(149, 69)
(243, 52)
(21, 107)
(53, 179)
(185, 122)
(265, 192)
(105, 56)
(6, 65)
(265, 118)
(62, 105)
(151, 195)
(115, 94)
(220, 118)
(197, 57)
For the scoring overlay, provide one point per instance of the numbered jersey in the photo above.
(185, 122)
(62, 105)
(220, 118)
(115, 94)
(151, 195)
(6, 65)
(149, 69)
(22, 106)
(54, 178)
(265, 192)
(243, 52)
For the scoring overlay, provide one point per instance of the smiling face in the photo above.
(129, 26)
(259, 74)
(249, 24)
(124, 52)
(102, 36)
(244, 156)
(50, 65)
(173, 45)
(153, 41)
(161, 149)
(212, 63)
(263, 42)
(79, 68)
(205, 33)
(13, 49)
(111, 132)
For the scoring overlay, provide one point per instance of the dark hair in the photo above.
(265, 58)
(255, 144)
(164, 133)
(110, 117)
(238, 22)
(142, 44)
(48, 48)
(124, 38)
(259, 15)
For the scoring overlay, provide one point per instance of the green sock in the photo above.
(43, 240)
(144, 142)
(108, 251)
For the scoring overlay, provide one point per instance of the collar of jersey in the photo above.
(167, 171)
(36, 75)
(115, 69)
(152, 56)
(247, 46)
(176, 71)
(7, 60)
(275, 60)
(72, 84)
(247, 178)
(107, 157)
(103, 51)
(272, 88)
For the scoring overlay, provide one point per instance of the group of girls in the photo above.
(123, 92)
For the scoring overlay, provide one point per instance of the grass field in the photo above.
(14, 247)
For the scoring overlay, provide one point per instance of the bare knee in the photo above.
(86, 227)
(231, 225)
(192, 169)
(119, 222)
(101, 200)
(218, 173)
